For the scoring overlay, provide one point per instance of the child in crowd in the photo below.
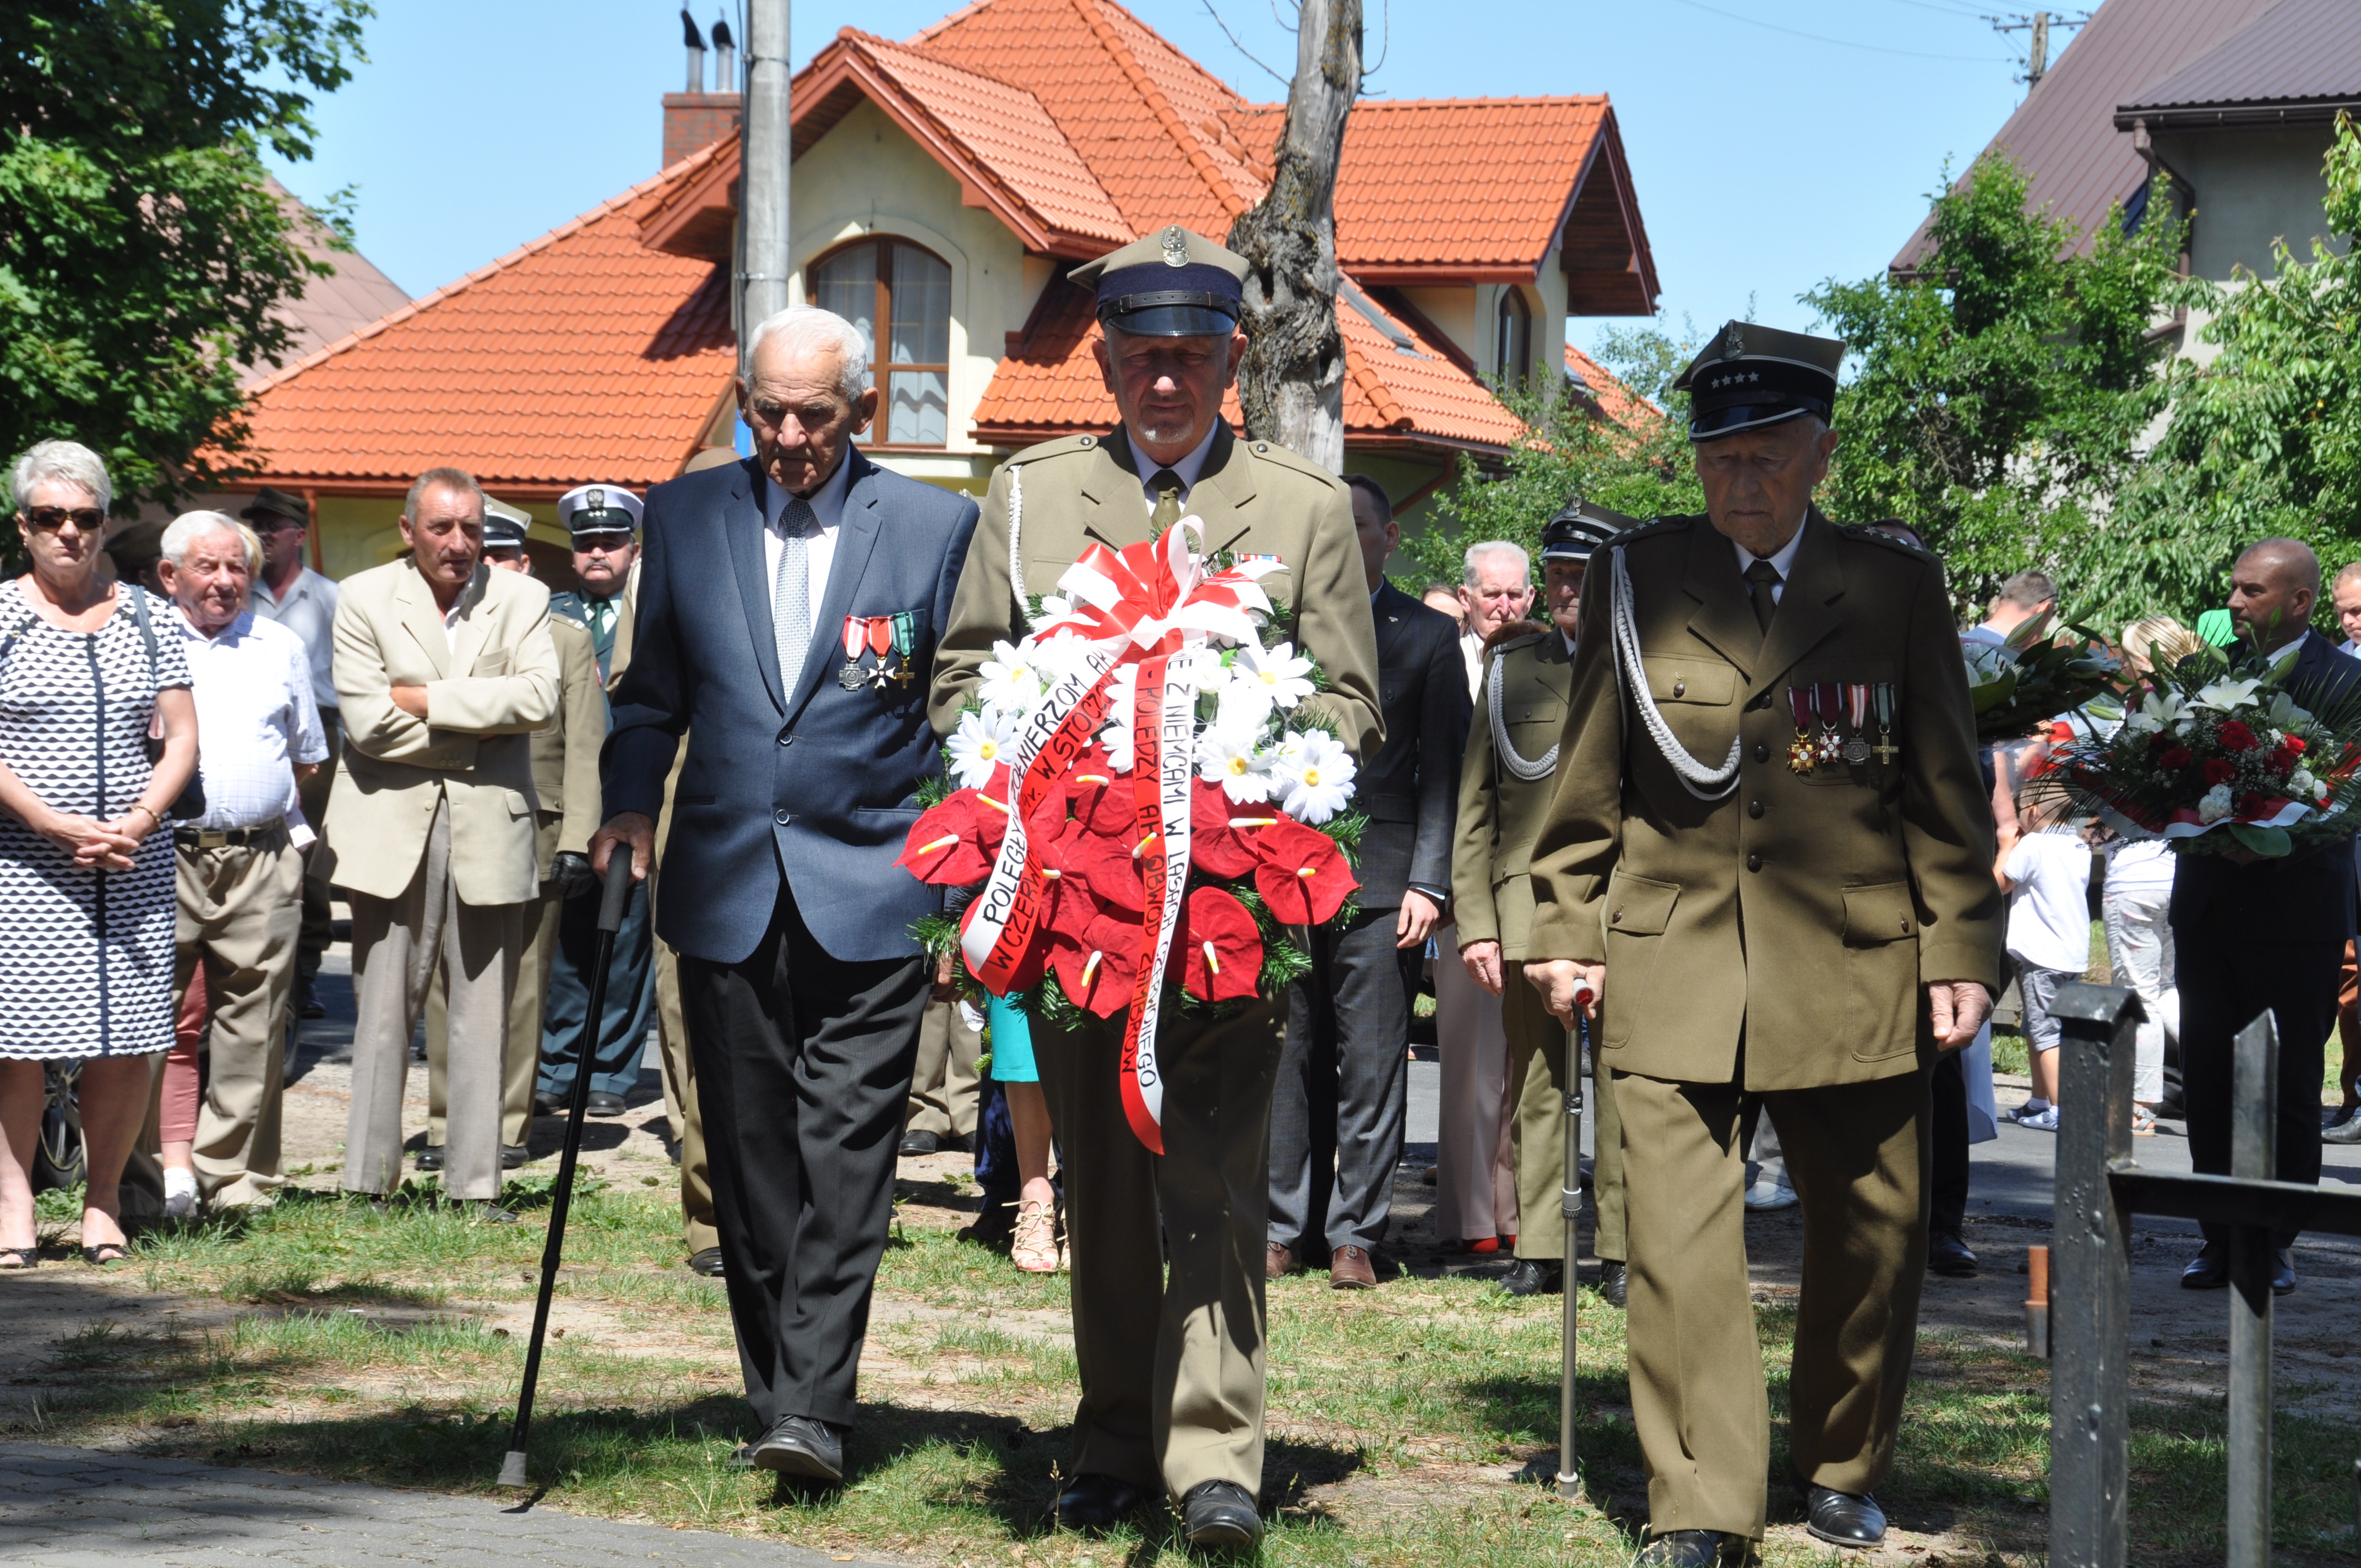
(2045, 867)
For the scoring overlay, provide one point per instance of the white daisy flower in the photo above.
(1012, 679)
(1229, 758)
(1117, 739)
(1278, 671)
(980, 743)
(1054, 607)
(1315, 776)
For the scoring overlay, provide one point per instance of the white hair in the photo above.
(807, 327)
(1492, 548)
(191, 526)
(67, 462)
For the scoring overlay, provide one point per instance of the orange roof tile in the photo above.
(1615, 400)
(582, 356)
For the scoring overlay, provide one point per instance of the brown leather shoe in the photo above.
(1277, 1260)
(1349, 1270)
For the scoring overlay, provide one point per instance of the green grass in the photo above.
(356, 1344)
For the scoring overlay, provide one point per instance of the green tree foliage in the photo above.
(143, 253)
(1997, 395)
(1638, 465)
(2265, 439)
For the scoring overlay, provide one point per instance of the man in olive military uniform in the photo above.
(1771, 853)
(1172, 1377)
(565, 780)
(1506, 783)
(603, 521)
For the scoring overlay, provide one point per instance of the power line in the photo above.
(1842, 43)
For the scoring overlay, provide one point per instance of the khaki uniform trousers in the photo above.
(943, 1087)
(1857, 1157)
(241, 914)
(519, 1064)
(1475, 1158)
(1171, 1373)
(1537, 1052)
(696, 1227)
(398, 944)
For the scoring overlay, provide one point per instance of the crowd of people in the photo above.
(1709, 826)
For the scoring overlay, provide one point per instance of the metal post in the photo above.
(2253, 1139)
(1569, 1203)
(2091, 1263)
(766, 256)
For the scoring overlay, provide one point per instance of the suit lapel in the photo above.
(1117, 514)
(415, 603)
(1724, 616)
(856, 536)
(1804, 619)
(474, 617)
(1392, 621)
(741, 526)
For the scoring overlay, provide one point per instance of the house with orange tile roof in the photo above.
(943, 187)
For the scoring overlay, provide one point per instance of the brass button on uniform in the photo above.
(1754, 808)
(1680, 688)
(1616, 918)
(1753, 862)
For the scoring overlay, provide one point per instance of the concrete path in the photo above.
(74, 1507)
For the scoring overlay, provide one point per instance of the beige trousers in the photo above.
(680, 1107)
(1537, 1053)
(1475, 1162)
(1171, 1366)
(398, 943)
(943, 1087)
(523, 1057)
(241, 914)
(1857, 1157)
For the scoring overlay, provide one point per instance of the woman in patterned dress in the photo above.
(86, 880)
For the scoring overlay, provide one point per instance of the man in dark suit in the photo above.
(2254, 934)
(761, 585)
(1341, 1080)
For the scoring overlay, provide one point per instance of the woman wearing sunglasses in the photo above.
(86, 878)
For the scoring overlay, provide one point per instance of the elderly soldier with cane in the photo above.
(1770, 854)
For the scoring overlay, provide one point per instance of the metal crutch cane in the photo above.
(1569, 1479)
(616, 895)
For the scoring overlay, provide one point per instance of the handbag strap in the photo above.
(147, 629)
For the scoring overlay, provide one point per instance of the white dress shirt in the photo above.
(1783, 563)
(256, 714)
(1188, 468)
(820, 543)
(309, 611)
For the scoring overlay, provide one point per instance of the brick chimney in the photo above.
(696, 119)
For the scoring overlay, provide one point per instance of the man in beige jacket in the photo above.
(444, 669)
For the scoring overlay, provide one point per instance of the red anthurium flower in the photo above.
(948, 845)
(1219, 948)
(1105, 866)
(1099, 796)
(1214, 847)
(1099, 970)
(1300, 873)
(2220, 770)
(2176, 759)
(2235, 737)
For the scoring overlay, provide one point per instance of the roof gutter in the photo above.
(2236, 116)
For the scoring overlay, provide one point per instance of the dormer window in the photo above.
(893, 282)
(1512, 350)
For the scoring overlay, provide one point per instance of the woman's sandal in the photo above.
(13, 1259)
(1035, 1248)
(96, 1255)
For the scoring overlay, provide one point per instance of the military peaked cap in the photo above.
(1579, 529)
(1174, 283)
(599, 508)
(1750, 376)
(504, 525)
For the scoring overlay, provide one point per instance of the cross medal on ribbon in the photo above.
(1801, 754)
(852, 677)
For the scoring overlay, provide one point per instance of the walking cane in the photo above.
(618, 894)
(1569, 1202)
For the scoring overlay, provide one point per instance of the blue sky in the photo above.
(1773, 146)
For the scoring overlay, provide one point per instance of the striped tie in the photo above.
(791, 594)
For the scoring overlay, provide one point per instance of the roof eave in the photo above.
(2248, 115)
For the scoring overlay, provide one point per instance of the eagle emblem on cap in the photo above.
(1176, 246)
(594, 501)
(1735, 344)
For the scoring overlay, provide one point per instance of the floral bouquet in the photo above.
(2020, 685)
(2204, 746)
(1142, 802)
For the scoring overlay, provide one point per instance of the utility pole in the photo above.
(2037, 23)
(766, 150)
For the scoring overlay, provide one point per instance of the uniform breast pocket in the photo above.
(1839, 700)
(1698, 698)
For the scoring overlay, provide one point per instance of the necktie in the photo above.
(791, 594)
(1166, 484)
(1763, 579)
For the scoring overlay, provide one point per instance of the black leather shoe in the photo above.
(1692, 1549)
(1948, 1255)
(1531, 1276)
(1843, 1518)
(430, 1158)
(547, 1104)
(799, 1445)
(915, 1143)
(1614, 1283)
(2209, 1270)
(2282, 1272)
(513, 1155)
(605, 1104)
(1094, 1502)
(1220, 1513)
(706, 1261)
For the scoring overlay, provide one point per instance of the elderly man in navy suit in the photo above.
(2255, 934)
(788, 610)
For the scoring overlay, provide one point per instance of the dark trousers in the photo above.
(631, 1000)
(2224, 986)
(1947, 1136)
(1342, 1097)
(803, 1070)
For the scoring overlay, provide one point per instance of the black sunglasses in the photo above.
(49, 519)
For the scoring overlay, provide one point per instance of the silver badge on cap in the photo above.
(1735, 345)
(1176, 247)
(594, 501)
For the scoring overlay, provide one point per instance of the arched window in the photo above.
(1513, 335)
(893, 282)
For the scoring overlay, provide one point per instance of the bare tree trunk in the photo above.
(1292, 384)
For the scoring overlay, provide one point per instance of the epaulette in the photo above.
(1678, 522)
(1057, 448)
(1271, 452)
(1523, 640)
(1862, 531)
(558, 612)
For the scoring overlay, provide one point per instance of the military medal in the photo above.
(881, 643)
(1856, 746)
(906, 642)
(1883, 694)
(852, 677)
(1800, 755)
(1827, 700)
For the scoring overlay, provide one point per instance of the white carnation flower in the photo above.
(980, 743)
(2300, 783)
(2214, 806)
(1315, 775)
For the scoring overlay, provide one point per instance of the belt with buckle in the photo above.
(226, 837)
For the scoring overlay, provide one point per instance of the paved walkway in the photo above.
(75, 1508)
